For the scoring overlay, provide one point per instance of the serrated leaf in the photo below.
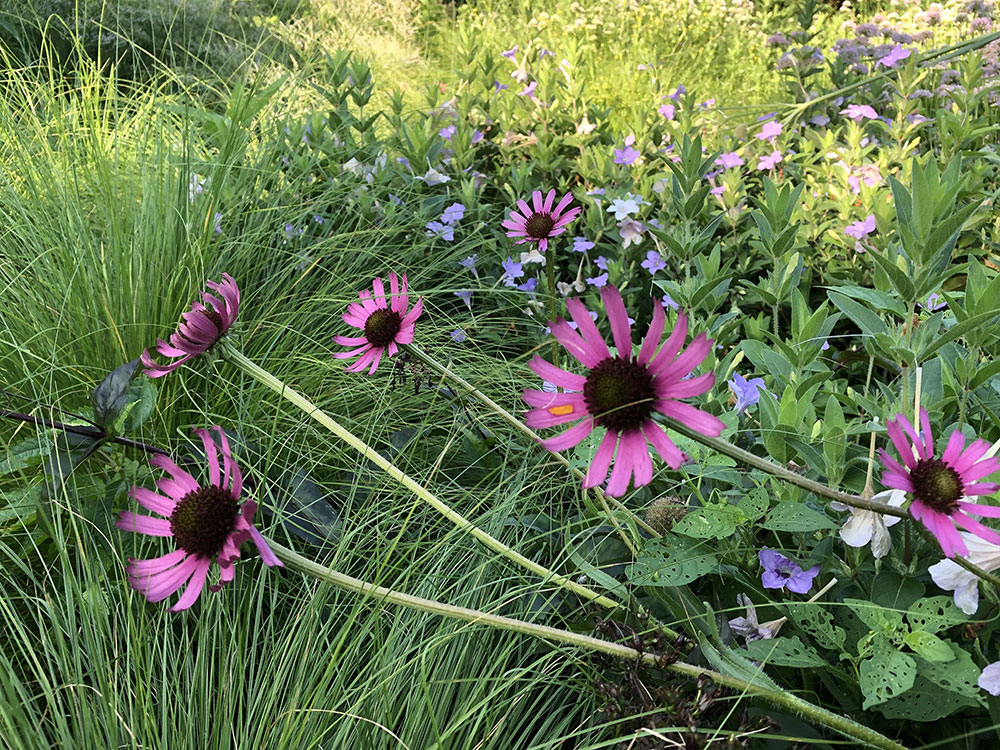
(21, 455)
(790, 515)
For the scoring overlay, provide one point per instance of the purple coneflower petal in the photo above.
(141, 524)
(195, 585)
(573, 436)
(585, 325)
(621, 331)
(669, 452)
(653, 336)
(153, 502)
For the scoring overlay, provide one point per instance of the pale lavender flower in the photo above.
(601, 262)
(782, 573)
(729, 160)
(654, 262)
(627, 155)
(769, 161)
(529, 90)
(458, 336)
(859, 112)
(598, 281)
(509, 53)
(678, 92)
(440, 231)
(630, 231)
(668, 301)
(934, 303)
(861, 229)
(217, 223)
(453, 213)
(747, 391)
(448, 132)
(820, 121)
(989, 680)
(667, 110)
(512, 271)
(748, 626)
(469, 264)
(466, 296)
(770, 131)
(529, 286)
(898, 54)
(582, 245)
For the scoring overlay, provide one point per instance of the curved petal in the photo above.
(621, 330)
(139, 568)
(598, 348)
(571, 437)
(659, 439)
(899, 440)
(597, 472)
(622, 470)
(672, 345)
(141, 524)
(266, 554)
(194, 587)
(555, 375)
(653, 335)
(151, 501)
(691, 416)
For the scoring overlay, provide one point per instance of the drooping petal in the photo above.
(597, 472)
(139, 568)
(571, 437)
(621, 472)
(195, 586)
(899, 440)
(659, 439)
(693, 417)
(598, 348)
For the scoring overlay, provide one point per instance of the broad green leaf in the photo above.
(790, 515)
(886, 674)
(671, 561)
(785, 652)
(929, 646)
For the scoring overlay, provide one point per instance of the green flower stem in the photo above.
(781, 699)
(449, 374)
(267, 379)
(728, 449)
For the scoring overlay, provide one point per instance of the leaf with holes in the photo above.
(794, 516)
(713, 521)
(785, 652)
(959, 675)
(876, 617)
(671, 561)
(886, 674)
(816, 621)
(925, 701)
(934, 614)
(928, 646)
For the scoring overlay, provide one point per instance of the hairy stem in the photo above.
(267, 379)
(779, 698)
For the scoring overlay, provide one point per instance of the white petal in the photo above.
(989, 680)
(858, 531)
(881, 541)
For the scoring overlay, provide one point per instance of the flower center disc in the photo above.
(203, 519)
(619, 393)
(539, 226)
(214, 317)
(937, 485)
(382, 326)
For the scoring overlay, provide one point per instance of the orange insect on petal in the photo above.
(560, 411)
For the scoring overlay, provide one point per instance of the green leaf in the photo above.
(671, 561)
(814, 619)
(929, 646)
(957, 675)
(887, 674)
(959, 329)
(785, 652)
(934, 614)
(713, 521)
(21, 455)
(869, 323)
(110, 397)
(791, 515)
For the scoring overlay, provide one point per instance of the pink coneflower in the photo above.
(543, 223)
(200, 328)
(385, 326)
(205, 522)
(621, 393)
(939, 486)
